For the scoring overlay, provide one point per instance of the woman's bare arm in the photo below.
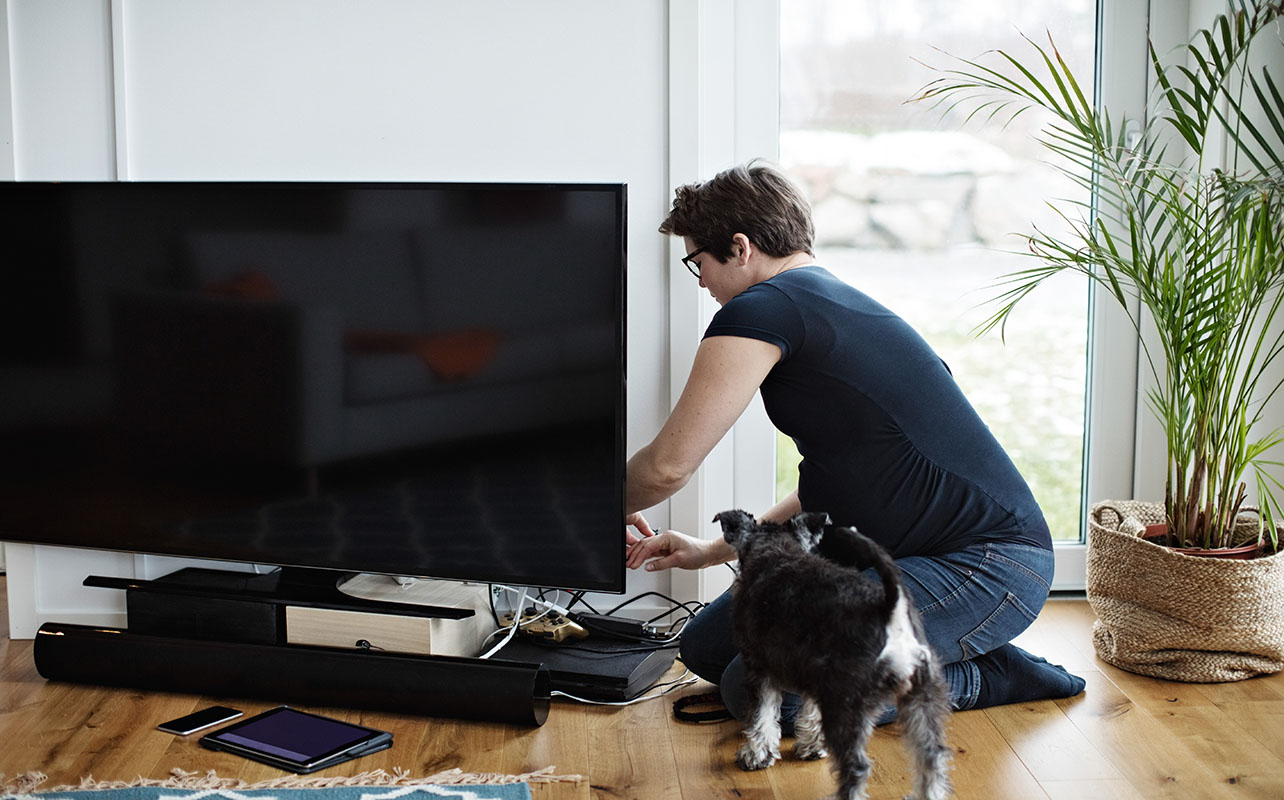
(726, 373)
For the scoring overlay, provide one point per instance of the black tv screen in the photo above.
(411, 379)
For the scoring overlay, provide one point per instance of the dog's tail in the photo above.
(851, 548)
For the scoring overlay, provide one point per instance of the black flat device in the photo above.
(297, 741)
(604, 670)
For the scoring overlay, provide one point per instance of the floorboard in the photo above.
(1127, 737)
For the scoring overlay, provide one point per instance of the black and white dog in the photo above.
(807, 621)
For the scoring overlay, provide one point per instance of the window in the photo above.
(843, 74)
(925, 213)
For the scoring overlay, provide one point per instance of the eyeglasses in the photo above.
(693, 266)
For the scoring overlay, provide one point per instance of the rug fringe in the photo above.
(27, 782)
(24, 783)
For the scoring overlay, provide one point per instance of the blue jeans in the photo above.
(972, 602)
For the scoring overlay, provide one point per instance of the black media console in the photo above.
(227, 634)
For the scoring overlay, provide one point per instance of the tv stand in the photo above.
(292, 636)
(297, 605)
(286, 586)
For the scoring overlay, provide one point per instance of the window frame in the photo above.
(725, 110)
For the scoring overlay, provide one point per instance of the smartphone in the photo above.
(199, 720)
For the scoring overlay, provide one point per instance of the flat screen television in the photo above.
(418, 379)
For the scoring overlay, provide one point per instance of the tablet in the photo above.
(297, 741)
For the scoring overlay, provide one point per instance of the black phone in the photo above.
(199, 720)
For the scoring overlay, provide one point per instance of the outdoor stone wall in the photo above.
(920, 190)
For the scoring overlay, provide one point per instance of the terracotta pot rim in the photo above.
(1244, 551)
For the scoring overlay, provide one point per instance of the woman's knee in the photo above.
(694, 655)
(731, 685)
(707, 644)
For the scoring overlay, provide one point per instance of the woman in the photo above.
(889, 445)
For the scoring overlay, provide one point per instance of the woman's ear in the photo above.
(741, 248)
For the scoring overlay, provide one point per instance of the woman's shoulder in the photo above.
(812, 278)
(815, 286)
(806, 292)
(766, 311)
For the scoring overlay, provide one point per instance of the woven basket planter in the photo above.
(1180, 617)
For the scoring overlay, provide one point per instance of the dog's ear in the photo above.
(735, 524)
(810, 527)
(734, 518)
(816, 521)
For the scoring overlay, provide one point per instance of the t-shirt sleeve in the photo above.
(761, 312)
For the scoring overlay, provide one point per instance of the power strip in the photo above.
(622, 627)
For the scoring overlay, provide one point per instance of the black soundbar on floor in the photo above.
(437, 686)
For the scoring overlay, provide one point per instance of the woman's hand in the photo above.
(670, 549)
(636, 520)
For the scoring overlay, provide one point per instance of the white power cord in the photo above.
(512, 629)
(539, 601)
(686, 679)
(682, 681)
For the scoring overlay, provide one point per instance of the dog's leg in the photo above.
(923, 711)
(762, 729)
(810, 744)
(848, 726)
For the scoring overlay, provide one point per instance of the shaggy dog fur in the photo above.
(807, 621)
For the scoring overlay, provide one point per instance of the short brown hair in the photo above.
(754, 199)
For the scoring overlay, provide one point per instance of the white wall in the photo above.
(60, 82)
(493, 90)
(6, 99)
(399, 90)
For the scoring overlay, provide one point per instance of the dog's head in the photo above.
(744, 533)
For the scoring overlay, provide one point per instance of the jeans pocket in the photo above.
(1009, 619)
(1035, 564)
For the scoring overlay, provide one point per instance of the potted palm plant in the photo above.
(1186, 232)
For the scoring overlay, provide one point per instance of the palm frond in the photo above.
(1197, 250)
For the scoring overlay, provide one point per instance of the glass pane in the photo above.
(925, 214)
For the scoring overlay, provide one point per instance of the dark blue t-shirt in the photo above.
(889, 443)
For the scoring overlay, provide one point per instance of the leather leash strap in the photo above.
(717, 713)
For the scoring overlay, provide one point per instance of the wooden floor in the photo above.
(1126, 737)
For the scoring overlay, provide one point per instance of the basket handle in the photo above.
(1096, 514)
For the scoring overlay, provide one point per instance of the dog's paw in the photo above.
(750, 758)
(810, 751)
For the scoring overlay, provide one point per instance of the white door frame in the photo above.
(724, 98)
